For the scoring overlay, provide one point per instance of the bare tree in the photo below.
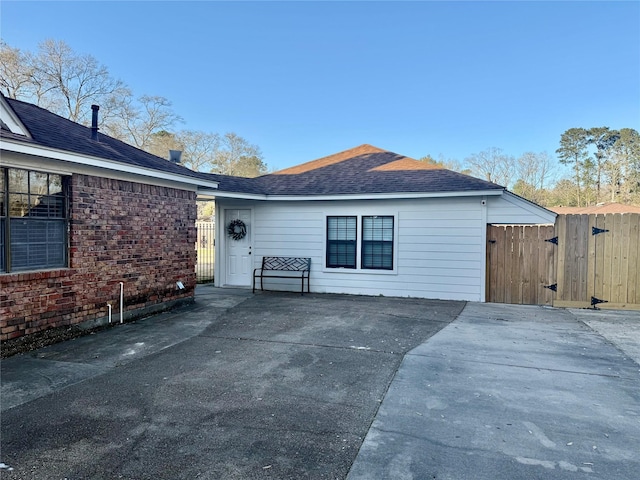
(563, 194)
(136, 121)
(68, 82)
(16, 72)
(199, 149)
(492, 165)
(236, 156)
(533, 172)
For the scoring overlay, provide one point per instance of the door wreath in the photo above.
(237, 229)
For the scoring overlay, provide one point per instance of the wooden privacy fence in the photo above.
(583, 261)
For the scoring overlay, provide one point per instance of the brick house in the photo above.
(83, 217)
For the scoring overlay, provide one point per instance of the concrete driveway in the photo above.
(512, 392)
(279, 386)
(283, 386)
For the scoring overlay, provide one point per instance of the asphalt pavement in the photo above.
(277, 385)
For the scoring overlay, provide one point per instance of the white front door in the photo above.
(238, 250)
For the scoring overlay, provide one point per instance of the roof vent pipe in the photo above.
(94, 122)
(175, 155)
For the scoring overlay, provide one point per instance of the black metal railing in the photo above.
(206, 252)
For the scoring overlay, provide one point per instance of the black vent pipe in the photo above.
(94, 122)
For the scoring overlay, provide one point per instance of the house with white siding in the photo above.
(373, 222)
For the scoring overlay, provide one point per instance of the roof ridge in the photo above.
(364, 149)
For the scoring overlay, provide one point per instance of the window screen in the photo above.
(33, 220)
(377, 242)
(341, 242)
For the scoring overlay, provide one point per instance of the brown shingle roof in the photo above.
(50, 130)
(611, 207)
(363, 170)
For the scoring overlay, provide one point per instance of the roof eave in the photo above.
(15, 123)
(359, 196)
(74, 158)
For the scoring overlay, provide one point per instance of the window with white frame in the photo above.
(377, 243)
(341, 242)
(375, 234)
(33, 220)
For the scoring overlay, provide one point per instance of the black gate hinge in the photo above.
(596, 230)
(553, 240)
(595, 301)
(553, 287)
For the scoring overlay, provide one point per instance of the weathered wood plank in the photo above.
(582, 265)
(607, 270)
(591, 256)
(561, 255)
(633, 275)
(598, 273)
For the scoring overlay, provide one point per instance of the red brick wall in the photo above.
(121, 231)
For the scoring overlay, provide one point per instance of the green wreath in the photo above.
(237, 229)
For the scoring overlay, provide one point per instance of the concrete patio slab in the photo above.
(508, 392)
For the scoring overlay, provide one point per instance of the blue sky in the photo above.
(307, 79)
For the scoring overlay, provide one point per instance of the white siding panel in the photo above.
(509, 209)
(438, 245)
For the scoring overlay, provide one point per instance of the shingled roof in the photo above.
(52, 131)
(603, 208)
(358, 171)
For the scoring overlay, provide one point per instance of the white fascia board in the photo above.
(241, 196)
(370, 196)
(531, 207)
(387, 196)
(12, 120)
(50, 153)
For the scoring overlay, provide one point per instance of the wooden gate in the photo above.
(584, 261)
(520, 264)
(598, 261)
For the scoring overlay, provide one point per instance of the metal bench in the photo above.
(283, 264)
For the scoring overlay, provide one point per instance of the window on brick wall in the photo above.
(33, 220)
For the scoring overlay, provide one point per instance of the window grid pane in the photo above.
(33, 207)
(377, 243)
(341, 242)
(37, 244)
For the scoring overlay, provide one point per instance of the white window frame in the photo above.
(359, 270)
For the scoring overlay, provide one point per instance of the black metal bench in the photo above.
(283, 264)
